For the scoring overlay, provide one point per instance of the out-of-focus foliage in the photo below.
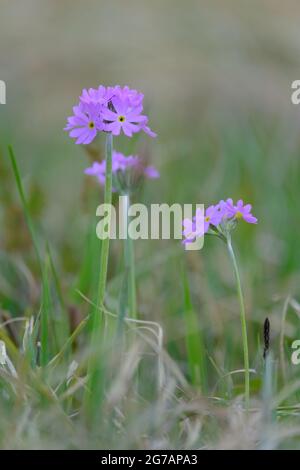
(217, 80)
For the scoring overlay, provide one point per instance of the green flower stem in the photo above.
(96, 366)
(128, 290)
(243, 322)
(107, 200)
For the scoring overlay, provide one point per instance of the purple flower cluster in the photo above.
(121, 163)
(216, 218)
(108, 109)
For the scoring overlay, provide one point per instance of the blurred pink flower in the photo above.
(121, 163)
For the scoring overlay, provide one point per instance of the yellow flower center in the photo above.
(207, 218)
(91, 125)
(238, 215)
(121, 118)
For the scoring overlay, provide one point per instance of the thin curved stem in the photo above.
(243, 322)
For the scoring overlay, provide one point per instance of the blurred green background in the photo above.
(217, 80)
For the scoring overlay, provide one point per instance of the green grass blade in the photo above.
(24, 204)
(46, 299)
(61, 324)
(44, 319)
